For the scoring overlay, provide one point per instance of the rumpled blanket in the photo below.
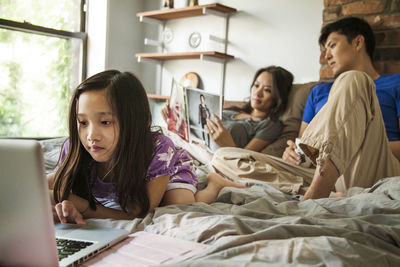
(261, 225)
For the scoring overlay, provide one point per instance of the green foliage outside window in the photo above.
(37, 72)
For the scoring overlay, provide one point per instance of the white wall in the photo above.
(261, 33)
(115, 35)
(97, 29)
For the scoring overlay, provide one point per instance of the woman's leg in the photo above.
(181, 196)
(238, 163)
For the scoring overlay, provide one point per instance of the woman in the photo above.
(257, 124)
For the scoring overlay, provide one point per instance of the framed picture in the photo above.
(200, 107)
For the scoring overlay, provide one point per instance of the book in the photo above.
(177, 120)
(201, 105)
(188, 111)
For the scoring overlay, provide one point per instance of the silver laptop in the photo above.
(27, 232)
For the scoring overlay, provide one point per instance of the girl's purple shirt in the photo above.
(167, 160)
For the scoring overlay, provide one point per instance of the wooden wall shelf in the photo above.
(185, 12)
(161, 17)
(157, 97)
(184, 55)
(227, 103)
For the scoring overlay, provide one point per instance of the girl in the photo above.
(113, 164)
(257, 124)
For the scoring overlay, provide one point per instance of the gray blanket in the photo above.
(259, 225)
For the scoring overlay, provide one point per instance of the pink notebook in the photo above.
(146, 249)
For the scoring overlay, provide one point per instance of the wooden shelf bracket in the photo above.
(152, 42)
(151, 20)
(209, 11)
(212, 59)
(148, 60)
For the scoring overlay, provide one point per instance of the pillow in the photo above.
(51, 152)
(291, 118)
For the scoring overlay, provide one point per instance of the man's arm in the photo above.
(395, 147)
(303, 127)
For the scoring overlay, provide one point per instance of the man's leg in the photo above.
(350, 132)
(323, 181)
(203, 132)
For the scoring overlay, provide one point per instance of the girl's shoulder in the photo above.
(162, 142)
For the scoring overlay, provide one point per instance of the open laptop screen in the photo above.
(27, 230)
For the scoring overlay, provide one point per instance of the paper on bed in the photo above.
(147, 249)
(198, 151)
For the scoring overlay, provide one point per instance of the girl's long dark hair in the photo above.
(133, 153)
(282, 81)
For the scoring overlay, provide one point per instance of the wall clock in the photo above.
(167, 35)
(194, 39)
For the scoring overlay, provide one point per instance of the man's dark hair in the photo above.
(351, 27)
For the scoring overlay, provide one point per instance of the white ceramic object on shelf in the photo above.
(167, 35)
(194, 39)
(181, 3)
(207, 2)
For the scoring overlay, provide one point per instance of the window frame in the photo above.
(40, 30)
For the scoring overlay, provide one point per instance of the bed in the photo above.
(260, 225)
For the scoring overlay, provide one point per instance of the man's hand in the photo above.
(66, 212)
(219, 133)
(290, 155)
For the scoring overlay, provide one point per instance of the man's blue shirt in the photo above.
(387, 91)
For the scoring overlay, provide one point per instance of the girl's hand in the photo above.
(165, 111)
(219, 133)
(66, 212)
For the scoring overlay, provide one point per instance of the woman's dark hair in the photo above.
(133, 153)
(351, 27)
(282, 81)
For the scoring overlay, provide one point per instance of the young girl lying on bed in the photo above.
(257, 124)
(114, 165)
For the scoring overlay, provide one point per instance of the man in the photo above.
(344, 134)
(204, 114)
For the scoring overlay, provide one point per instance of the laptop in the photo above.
(27, 233)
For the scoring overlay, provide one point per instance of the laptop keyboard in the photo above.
(68, 247)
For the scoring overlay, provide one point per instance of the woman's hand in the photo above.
(219, 133)
(290, 154)
(66, 212)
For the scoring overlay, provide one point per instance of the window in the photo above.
(43, 57)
